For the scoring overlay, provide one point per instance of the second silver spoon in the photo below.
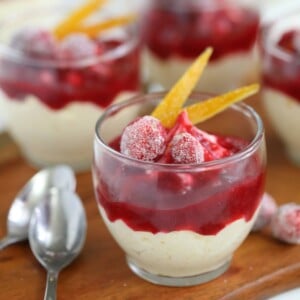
(57, 233)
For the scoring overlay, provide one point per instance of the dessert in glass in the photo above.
(56, 87)
(179, 199)
(175, 32)
(281, 80)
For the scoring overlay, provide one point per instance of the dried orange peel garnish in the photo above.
(67, 26)
(171, 105)
(93, 30)
(202, 111)
(169, 108)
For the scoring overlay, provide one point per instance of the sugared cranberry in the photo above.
(266, 212)
(286, 223)
(77, 46)
(34, 42)
(185, 149)
(144, 139)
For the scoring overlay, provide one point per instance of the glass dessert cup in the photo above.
(174, 34)
(281, 80)
(179, 225)
(52, 105)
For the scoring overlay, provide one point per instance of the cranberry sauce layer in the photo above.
(284, 75)
(186, 31)
(61, 82)
(163, 201)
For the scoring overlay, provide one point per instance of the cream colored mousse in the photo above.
(220, 76)
(179, 253)
(284, 114)
(48, 137)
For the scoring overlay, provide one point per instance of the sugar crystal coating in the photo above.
(186, 149)
(144, 139)
(286, 223)
(77, 46)
(39, 43)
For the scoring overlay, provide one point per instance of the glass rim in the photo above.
(15, 55)
(244, 153)
(270, 37)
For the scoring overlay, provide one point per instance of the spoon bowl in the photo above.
(35, 189)
(57, 232)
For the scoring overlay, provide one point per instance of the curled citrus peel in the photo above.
(169, 108)
(171, 105)
(66, 26)
(93, 30)
(202, 111)
(73, 23)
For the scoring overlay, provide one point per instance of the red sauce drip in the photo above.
(187, 32)
(283, 75)
(57, 87)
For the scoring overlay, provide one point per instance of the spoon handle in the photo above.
(50, 293)
(8, 240)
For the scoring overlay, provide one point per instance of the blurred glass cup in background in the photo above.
(56, 90)
(281, 79)
(175, 32)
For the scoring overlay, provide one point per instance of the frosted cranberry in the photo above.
(38, 43)
(144, 139)
(286, 223)
(185, 149)
(266, 212)
(77, 46)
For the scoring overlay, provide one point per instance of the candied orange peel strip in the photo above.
(169, 108)
(95, 29)
(67, 26)
(202, 111)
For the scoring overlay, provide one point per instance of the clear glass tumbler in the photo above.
(179, 225)
(54, 91)
(280, 48)
(175, 32)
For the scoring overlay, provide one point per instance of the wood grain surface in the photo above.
(261, 267)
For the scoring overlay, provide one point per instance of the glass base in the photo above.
(177, 281)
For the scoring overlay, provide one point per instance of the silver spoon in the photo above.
(37, 187)
(57, 233)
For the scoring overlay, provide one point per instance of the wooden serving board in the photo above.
(261, 267)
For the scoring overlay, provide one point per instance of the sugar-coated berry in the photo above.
(77, 46)
(35, 42)
(186, 149)
(144, 139)
(285, 224)
(266, 211)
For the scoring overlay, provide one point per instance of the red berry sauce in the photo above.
(162, 201)
(58, 82)
(284, 75)
(177, 28)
